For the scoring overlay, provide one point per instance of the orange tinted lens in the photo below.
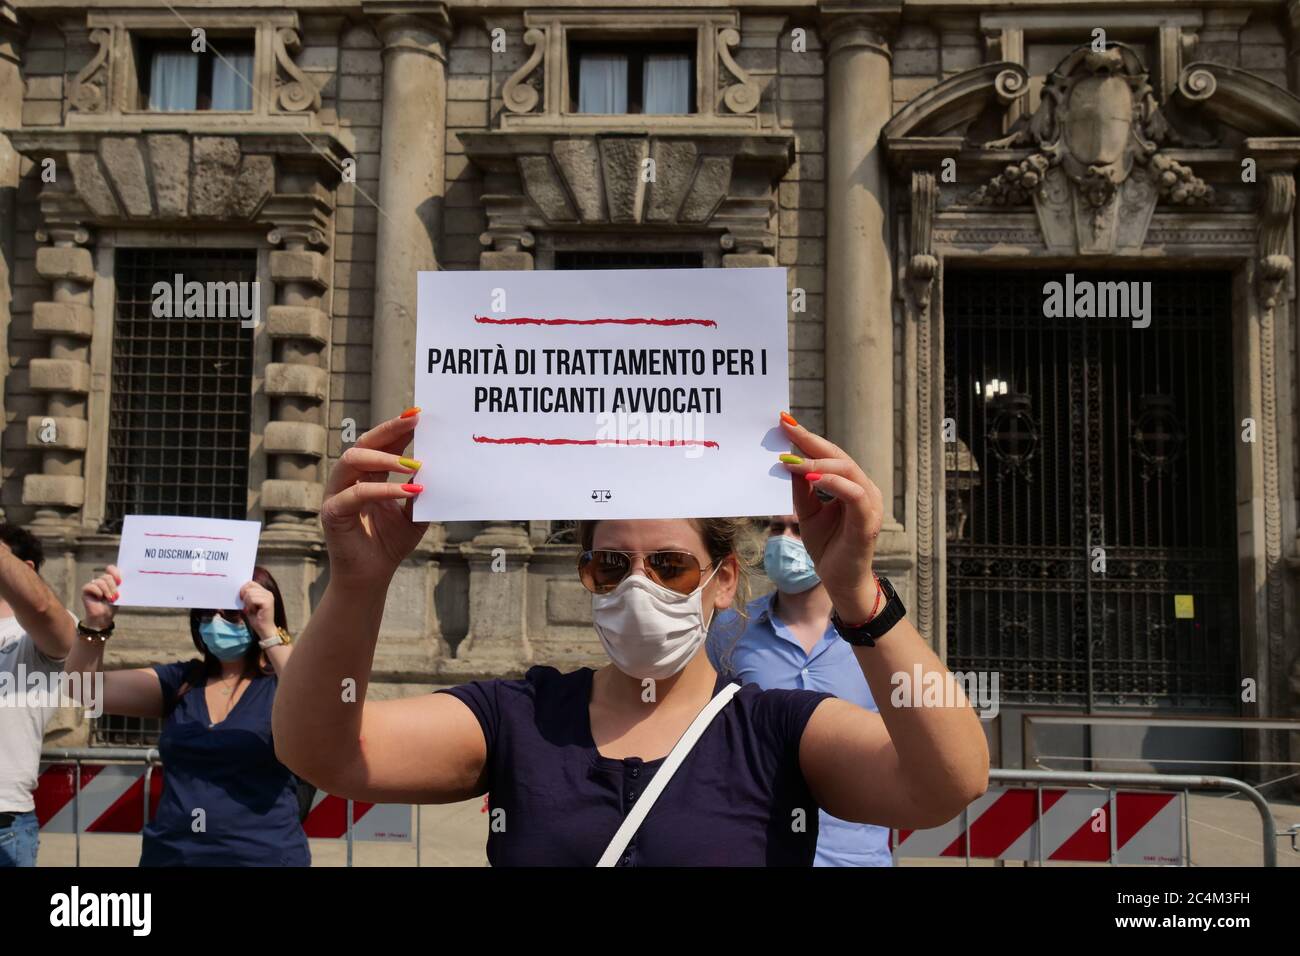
(601, 571)
(676, 570)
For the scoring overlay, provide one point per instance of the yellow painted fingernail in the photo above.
(410, 463)
(792, 459)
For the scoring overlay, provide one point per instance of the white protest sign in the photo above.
(185, 562)
(601, 394)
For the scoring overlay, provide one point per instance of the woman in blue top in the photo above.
(226, 799)
(565, 757)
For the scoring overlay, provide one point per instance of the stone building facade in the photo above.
(908, 162)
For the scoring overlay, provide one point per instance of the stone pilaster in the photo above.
(497, 642)
(66, 319)
(11, 114)
(859, 287)
(1293, 44)
(297, 380)
(411, 186)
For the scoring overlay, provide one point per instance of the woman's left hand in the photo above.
(259, 609)
(839, 534)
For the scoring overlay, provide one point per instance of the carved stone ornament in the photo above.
(90, 89)
(294, 91)
(742, 96)
(518, 94)
(1097, 172)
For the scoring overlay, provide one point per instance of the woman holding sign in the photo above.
(577, 765)
(226, 800)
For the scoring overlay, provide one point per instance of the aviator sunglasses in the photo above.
(233, 615)
(602, 570)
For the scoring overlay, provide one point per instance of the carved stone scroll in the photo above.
(741, 97)
(297, 93)
(518, 95)
(90, 89)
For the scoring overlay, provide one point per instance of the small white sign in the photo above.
(185, 562)
(601, 394)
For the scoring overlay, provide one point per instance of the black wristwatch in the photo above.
(866, 635)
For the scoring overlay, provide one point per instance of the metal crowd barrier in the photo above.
(1052, 779)
(151, 759)
(1038, 779)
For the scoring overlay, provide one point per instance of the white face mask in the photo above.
(649, 630)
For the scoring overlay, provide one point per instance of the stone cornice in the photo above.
(120, 175)
(721, 181)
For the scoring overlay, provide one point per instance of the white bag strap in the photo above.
(632, 822)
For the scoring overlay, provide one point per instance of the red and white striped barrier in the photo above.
(112, 801)
(371, 822)
(112, 797)
(1075, 827)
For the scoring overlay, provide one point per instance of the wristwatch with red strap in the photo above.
(866, 635)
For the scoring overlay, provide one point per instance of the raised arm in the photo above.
(427, 749)
(37, 608)
(908, 766)
(136, 692)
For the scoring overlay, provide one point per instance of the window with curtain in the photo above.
(175, 78)
(622, 78)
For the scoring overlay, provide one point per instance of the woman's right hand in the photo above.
(98, 596)
(366, 518)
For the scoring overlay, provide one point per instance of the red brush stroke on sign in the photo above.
(662, 443)
(203, 537)
(191, 574)
(525, 320)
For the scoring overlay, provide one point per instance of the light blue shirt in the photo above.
(768, 654)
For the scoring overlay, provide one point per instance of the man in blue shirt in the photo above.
(788, 642)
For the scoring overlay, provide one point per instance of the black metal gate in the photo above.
(1090, 493)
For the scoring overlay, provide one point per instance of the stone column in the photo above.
(297, 380)
(859, 273)
(11, 116)
(58, 491)
(411, 186)
(498, 555)
(1293, 44)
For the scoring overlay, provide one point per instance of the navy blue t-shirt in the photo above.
(249, 799)
(739, 798)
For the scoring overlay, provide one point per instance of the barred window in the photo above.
(180, 407)
(114, 730)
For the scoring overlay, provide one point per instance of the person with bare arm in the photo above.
(654, 759)
(36, 633)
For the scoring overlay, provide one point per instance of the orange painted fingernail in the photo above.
(813, 476)
(788, 418)
(412, 489)
(410, 412)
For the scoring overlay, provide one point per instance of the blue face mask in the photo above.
(225, 640)
(789, 565)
